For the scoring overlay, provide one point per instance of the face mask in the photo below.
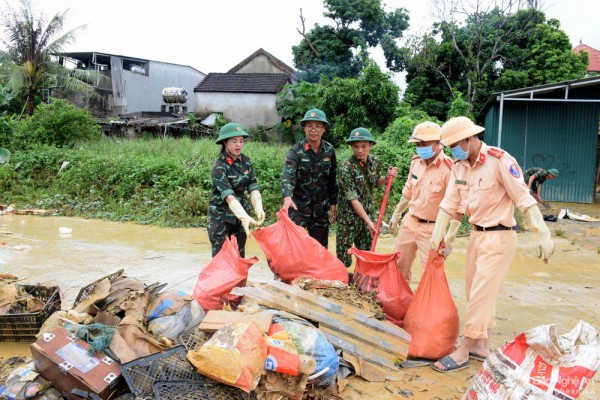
(425, 152)
(459, 153)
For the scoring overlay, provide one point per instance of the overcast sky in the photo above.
(213, 36)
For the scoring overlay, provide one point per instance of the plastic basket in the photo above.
(86, 290)
(23, 327)
(180, 390)
(170, 365)
(193, 338)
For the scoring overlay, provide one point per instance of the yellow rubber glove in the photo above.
(450, 237)
(256, 201)
(396, 216)
(242, 215)
(546, 246)
(441, 222)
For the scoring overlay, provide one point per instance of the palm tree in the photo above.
(27, 62)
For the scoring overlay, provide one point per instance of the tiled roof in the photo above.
(242, 83)
(274, 60)
(594, 55)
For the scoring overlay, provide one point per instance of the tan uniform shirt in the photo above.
(488, 191)
(426, 185)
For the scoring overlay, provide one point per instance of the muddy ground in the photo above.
(562, 292)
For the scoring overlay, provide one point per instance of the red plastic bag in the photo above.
(540, 364)
(224, 272)
(432, 317)
(379, 272)
(292, 253)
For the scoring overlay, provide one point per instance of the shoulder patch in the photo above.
(492, 151)
(448, 162)
(515, 170)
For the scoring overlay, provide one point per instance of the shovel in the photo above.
(388, 187)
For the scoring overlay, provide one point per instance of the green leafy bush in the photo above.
(58, 123)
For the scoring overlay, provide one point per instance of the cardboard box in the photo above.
(63, 359)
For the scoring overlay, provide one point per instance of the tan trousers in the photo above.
(413, 236)
(489, 255)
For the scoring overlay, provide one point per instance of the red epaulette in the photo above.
(448, 162)
(492, 151)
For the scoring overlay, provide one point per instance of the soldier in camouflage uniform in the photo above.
(359, 175)
(232, 175)
(308, 179)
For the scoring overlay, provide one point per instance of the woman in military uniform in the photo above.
(232, 175)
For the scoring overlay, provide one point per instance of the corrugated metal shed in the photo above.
(551, 126)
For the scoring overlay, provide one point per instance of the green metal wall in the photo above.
(551, 135)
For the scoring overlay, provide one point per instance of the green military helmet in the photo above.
(314, 114)
(554, 172)
(230, 130)
(360, 134)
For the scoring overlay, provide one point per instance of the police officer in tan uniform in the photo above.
(423, 191)
(486, 183)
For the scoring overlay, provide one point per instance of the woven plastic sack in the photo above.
(379, 272)
(539, 364)
(432, 318)
(292, 253)
(224, 272)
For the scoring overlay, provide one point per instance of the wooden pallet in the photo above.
(352, 329)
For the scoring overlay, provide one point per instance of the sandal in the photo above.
(450, 365)
(477, 357)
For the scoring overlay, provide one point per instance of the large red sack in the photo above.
(292, 253)
(224, 272)
(432, 317)
(379, 272)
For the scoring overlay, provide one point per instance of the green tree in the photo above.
(369, 101)
(494, 49)
(341, 50)
(30, 42)
(58, 124)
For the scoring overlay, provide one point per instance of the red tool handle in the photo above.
(388, 187)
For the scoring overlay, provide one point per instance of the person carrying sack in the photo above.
(486, 183)
(422, 193)
(232, 175)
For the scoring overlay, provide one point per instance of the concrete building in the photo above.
(134, 85)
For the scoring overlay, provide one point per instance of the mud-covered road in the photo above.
(562, 292)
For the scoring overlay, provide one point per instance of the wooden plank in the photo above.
(343, 327)
(216, 319)
(342, 309)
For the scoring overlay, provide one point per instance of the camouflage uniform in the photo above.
(229, 178)
(357, 181)
(540, 177)
(309, 178)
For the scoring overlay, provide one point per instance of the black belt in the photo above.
(424, 221)
(496, 228)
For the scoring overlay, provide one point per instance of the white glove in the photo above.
(450, 237)
(400, 208)
(256, 201)
(242, 215)
(546, 246)
(441, 222)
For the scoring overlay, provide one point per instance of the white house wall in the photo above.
(259, 64)
(247, 109)
(144, 92)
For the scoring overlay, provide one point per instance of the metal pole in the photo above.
(500, 117)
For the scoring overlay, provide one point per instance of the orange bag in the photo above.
(379, 272)
(432, 318)
(292, 253)
(224, 272)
